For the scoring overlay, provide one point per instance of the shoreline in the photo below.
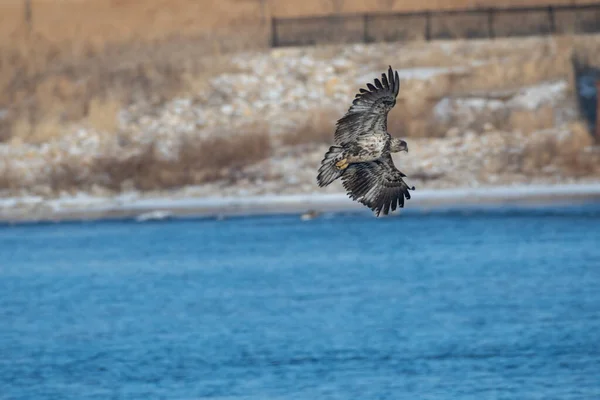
(85, 208)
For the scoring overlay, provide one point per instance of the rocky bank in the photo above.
(512, 134)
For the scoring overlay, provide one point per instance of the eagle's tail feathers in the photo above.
(329, 172)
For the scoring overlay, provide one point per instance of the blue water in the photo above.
(496, 304)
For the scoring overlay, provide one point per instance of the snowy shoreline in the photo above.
(85, 207)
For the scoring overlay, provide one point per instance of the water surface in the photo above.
(480, 304)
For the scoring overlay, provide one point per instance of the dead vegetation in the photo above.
(143, 166)
(93, 88)
(546, 153)
(320, 7)
(197, 161)
(67, 61)
(318, 128)
(54, 75)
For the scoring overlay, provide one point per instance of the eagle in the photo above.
(361, 154)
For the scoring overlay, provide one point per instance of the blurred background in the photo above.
(240, 97)
(111, 109)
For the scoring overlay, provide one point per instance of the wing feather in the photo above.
(369, 110)
(385, 82)
(378, 84)
(377, 184)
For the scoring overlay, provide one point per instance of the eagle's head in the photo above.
(397, 145)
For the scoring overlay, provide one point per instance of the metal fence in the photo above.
(430, 25)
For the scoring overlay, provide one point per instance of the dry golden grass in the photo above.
(75, 56)
(82, 61)
(528, 121)
(320, 7)
(318, 128)
(197, 161)
(524, 67)
(572, 154)
(94, 23)
(414, 120)
(70, 59)
(95, 87)
(43, 131)
(98, 22)
(103, 114)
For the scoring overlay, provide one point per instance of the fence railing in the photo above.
(430, 25)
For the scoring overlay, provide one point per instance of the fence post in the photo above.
(552, 20)
(274, 32)
(578, 22)
(366, 28)
(491, 32)
(428, 25)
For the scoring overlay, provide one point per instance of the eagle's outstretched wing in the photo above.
(369, 110)
(377, 184)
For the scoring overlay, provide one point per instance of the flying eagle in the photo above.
(361, 154)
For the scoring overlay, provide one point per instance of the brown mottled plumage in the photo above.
(361, 154)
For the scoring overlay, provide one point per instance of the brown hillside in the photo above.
(67, 59)
(73, 22)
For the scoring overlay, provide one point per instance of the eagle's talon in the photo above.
(342, 164)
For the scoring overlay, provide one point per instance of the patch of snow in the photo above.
(157, 215)
(10, 202)
(126, 197)
(419, 73)
(227, 109)
(535, 96)
(425, 73)
(80, 200)
(464, 109)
